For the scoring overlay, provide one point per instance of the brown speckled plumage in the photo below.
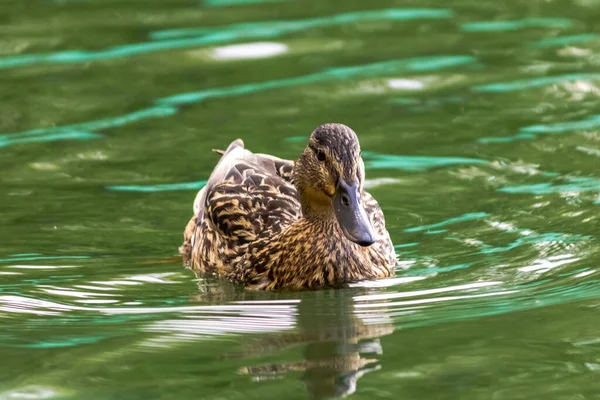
(268, 223)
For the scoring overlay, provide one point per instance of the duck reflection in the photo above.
(340, 345)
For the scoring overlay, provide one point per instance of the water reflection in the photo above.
(339, 345)
(481, 136)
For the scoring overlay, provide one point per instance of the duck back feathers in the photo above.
(248, 196)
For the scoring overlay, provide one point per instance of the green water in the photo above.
(480, 129)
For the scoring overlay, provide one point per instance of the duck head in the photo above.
(329, 176)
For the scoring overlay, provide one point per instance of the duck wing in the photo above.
(282, 167)
(384, 244)
(246, 197)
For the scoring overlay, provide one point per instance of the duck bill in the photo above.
(351, 215)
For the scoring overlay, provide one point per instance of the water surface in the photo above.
(480, 129)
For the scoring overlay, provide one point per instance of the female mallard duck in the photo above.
(271, 223)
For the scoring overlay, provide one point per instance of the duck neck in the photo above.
(323, 222)
(323, 214)
(326, 229)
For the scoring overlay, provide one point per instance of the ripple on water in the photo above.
(186, 38)
(508, 236)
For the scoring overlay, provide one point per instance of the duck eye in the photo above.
(321, 155)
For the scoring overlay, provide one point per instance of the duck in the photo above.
(274, 224)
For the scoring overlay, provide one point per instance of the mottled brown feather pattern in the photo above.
(249, 227)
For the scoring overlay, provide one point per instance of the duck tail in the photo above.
(233, 145)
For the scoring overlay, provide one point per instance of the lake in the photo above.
(480, 129)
